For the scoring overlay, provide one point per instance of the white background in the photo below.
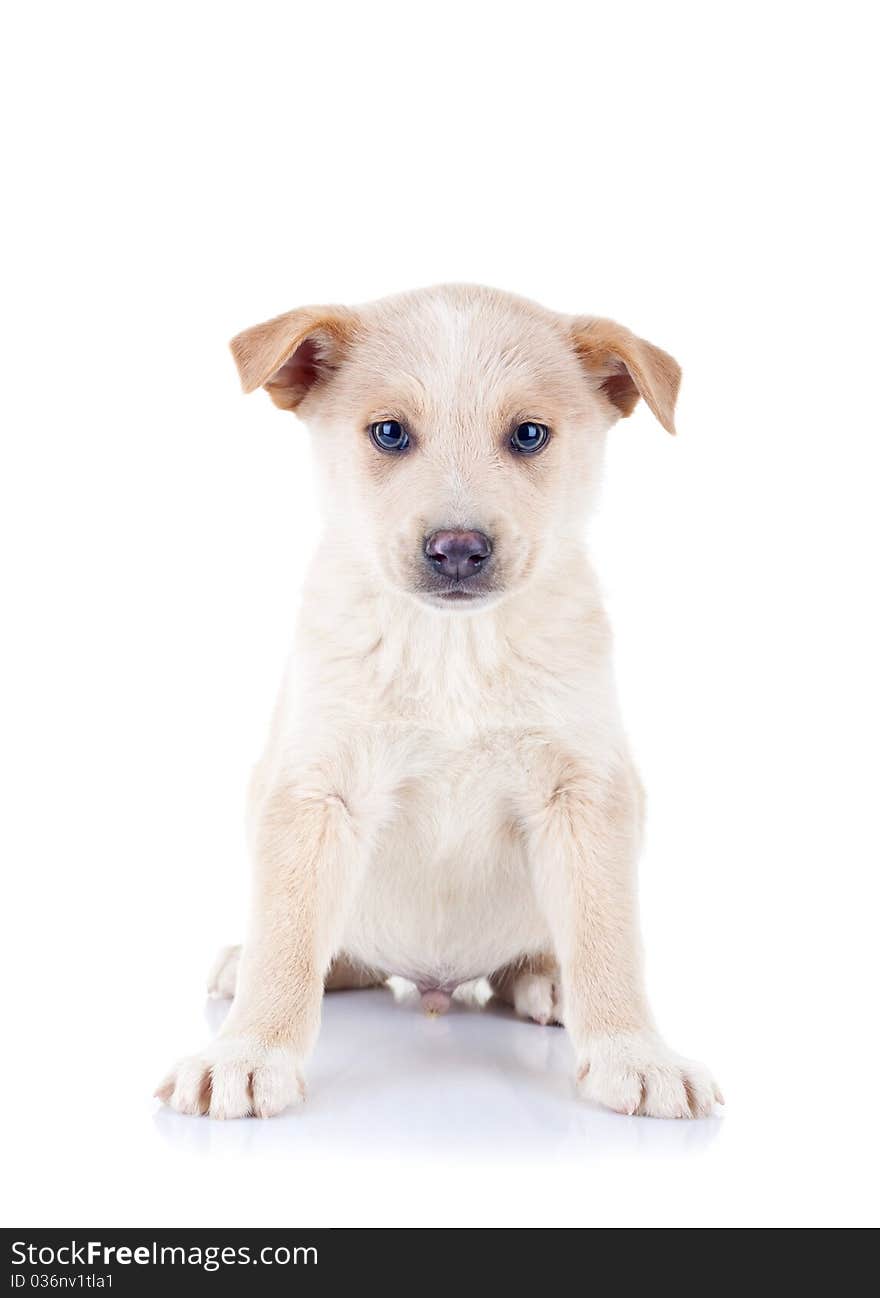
(174, 173)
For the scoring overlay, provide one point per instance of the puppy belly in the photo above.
(447, 896)
(443, 922)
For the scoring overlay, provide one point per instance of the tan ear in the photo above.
(625, 368)
(288, 355)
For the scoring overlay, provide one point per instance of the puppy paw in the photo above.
(538, 997)
(234, 1077)
(224, 973)
(636, 1073)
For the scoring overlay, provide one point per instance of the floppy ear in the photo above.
(625, 368)
(290, 354)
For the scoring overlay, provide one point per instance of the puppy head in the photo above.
(459, 429)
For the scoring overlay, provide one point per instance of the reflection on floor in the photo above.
(389, 1079)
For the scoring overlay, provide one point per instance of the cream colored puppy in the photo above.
(447, 791)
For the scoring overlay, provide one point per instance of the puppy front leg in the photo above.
(584, 839)
(309, 850)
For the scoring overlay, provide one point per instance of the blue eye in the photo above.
(529, 438)
(389, 435)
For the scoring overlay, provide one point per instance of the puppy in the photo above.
(446, 791)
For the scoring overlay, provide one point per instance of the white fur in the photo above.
(447, 792)
(537, 997)
(224, 972)
(635, 1073)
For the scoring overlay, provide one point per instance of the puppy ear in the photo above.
(290, 354)
(625, 368)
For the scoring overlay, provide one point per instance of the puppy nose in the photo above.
(457, 554)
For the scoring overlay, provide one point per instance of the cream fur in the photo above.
(447, 792)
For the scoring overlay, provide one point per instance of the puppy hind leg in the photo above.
(342, 975)
(345, 975)
(224, 973)
(532, 986)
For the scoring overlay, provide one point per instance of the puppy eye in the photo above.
(529, 438)
(389, 435)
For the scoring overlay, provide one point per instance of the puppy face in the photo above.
(459, 429)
